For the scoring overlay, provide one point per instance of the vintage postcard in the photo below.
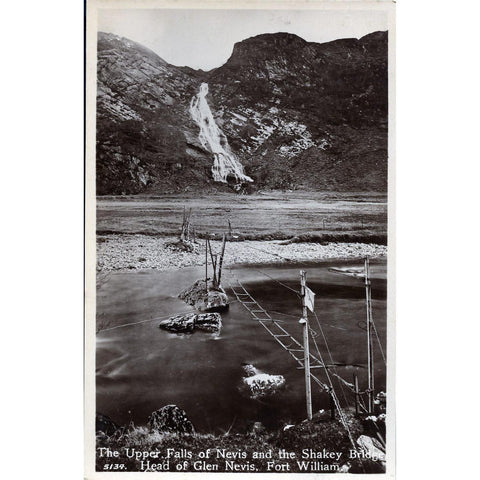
(239, 238)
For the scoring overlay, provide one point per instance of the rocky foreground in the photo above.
(135, 252)
(170, 443)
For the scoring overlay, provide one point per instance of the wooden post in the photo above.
(182, 233)
(355, 382)
(221, 259)
(214, 265)
(185, 233)
(306, 347)
(189, 223)
(215, 281)
(332, 407)
(368, 294)
(206, 264)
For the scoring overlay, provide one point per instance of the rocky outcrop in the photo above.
(205, 299)
(260, 384)
(380, 401)
(257, 430)
(372, 448)
(167, 424)
(296, 114)
(179, 323)
(145, 136)
(105, 424)
(209, 322)
(170, 419)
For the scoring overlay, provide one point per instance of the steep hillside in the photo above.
(295, 114)
(145, 135)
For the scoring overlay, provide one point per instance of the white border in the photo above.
(42, 238)
(92, 9)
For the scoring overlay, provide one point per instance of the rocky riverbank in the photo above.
(136, 252)
(170, 443)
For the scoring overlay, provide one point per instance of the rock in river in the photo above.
(205, 299)
(170, 419)
(262, 384)
(209, 322)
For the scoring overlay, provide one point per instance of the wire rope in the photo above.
(145, 321)
(331, 359)
(378, 340)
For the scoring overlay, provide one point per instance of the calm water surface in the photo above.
(141, 368)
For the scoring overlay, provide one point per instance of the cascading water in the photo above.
(224, 163)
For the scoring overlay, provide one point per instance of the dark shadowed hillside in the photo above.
(296, 114)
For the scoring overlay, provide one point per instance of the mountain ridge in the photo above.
(297, 114)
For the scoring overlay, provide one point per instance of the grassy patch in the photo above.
(254, 451)
(277, 216)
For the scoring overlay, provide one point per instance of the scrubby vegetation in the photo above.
(256, 449)
(303, 217)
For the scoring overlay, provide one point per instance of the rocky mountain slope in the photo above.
(296, 114)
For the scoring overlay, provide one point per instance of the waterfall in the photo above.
(224, 161)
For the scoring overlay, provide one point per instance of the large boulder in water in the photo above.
(214, 300)
(179, 323)
(262, 384)
(170, 419)
(209, 322)
(205, 299)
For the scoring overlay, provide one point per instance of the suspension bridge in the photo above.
(300, 352)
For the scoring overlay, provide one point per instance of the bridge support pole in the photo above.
(355, 382)
(306, 347)
(206, 264)
(332, 406)
(368, 293)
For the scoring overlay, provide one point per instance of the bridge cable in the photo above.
(278, 281)
(148, 320)
(269, 253)
(329, 388)
(334, 396)
(378, 340)
(331, 359)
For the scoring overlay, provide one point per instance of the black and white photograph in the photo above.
(239, 238)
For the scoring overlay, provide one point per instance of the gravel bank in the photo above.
(134, 252)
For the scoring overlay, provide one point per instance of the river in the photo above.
(141, 368)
